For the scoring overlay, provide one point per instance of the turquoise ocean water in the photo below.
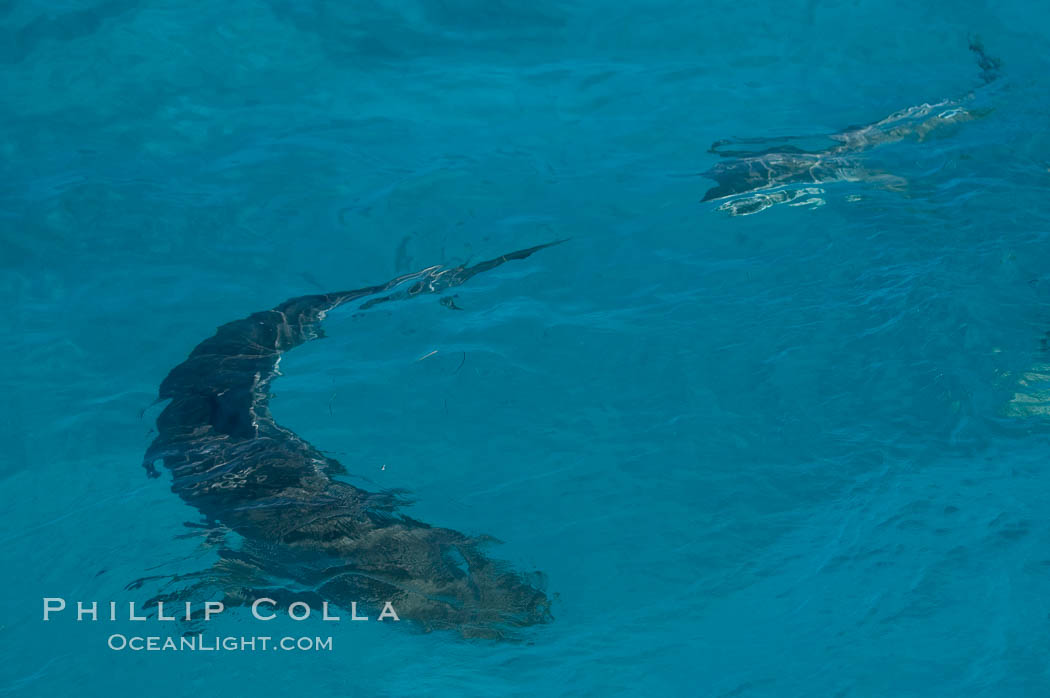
(797, 453)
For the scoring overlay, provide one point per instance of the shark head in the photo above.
(440, 580)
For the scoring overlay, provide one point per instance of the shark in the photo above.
(753, 177)
(302, 533)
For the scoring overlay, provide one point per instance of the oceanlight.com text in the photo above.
(201, 643)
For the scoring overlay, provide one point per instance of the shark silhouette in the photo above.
(304, 534)
(764, 176)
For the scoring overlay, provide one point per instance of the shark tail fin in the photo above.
(438, 279)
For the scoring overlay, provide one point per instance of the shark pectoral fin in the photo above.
(189, 599)
(227, 575)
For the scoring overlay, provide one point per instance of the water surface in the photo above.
(772, 455)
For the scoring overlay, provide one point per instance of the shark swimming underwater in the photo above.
(303, 533)
(754, 179)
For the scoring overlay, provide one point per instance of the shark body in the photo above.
(304, 533)
(759, 175)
